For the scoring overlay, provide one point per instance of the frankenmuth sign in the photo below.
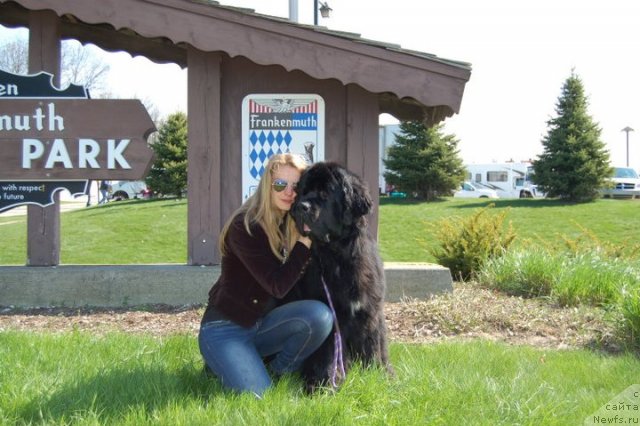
(279, 123)
(52, 139)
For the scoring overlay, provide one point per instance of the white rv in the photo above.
(509, 180)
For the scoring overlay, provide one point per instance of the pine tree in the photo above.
(168, 173)
(575, 162)
(424, 161)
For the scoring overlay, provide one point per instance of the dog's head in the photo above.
(331, 202)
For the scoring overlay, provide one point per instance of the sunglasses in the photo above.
(280, 185)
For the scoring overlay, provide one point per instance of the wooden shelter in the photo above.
(231, 52)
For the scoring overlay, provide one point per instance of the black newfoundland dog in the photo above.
(330, 208)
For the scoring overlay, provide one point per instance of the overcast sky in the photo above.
(520, 52)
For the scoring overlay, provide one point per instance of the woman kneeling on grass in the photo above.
(263, 256)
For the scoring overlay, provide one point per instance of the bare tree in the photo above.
(152, 109)
(80, 65)
(83, 67)
(14, 56)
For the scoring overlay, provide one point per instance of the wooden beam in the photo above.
(362, 143)
(158, 49)
(43, 223)
(203, 156)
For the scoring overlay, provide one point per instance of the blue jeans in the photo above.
(291, 332)
(104, 196)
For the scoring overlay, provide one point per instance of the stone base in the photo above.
(130, 285)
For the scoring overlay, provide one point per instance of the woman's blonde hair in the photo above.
(259, 209)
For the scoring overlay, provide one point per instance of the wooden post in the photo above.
(203, 156)
(362, 143)
(43, 223)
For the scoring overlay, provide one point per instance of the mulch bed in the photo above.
(469, 312)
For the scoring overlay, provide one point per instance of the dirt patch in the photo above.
(471, 312)
(467, 313)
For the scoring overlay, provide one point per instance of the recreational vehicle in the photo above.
(509, 180)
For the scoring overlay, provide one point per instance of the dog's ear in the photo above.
(357, 196)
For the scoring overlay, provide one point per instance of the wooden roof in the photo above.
(409, 84)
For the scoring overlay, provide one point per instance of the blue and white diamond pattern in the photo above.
(264, 144)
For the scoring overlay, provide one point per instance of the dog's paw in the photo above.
(391, 372)
(315, 385)
(310, 388)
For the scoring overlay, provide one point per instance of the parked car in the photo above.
(625, 183)
(129, 189)
(467, 190)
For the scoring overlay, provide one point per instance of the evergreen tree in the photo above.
(424, 161)
(575, 163)
(168, 173)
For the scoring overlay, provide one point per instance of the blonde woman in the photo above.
(263, 256)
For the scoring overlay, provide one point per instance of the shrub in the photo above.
(589, 278)
(587, 241)
(582, 276)
(630, 308)
(465, 244)
(531, 273)
(570, 278)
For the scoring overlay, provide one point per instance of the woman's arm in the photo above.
(276, 277)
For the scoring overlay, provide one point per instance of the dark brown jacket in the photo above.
(251, 276)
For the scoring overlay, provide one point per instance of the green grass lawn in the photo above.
(79, 378)
(406, 227)
(125, 379)
(129, 232)
(156, 231)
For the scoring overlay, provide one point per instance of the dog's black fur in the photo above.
(330, 208)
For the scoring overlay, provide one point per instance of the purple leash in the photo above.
(338, 363)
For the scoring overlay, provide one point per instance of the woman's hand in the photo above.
(306, 241)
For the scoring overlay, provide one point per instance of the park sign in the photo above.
(52, 136)
(55, 137)
(74, 139)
